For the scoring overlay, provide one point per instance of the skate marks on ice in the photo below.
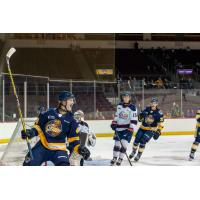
(166, 161)
(167, 151)
(97, 161)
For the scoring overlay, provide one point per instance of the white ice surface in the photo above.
(166, 151)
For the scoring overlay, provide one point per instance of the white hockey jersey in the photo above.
(125, 117)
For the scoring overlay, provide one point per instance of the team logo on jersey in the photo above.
(123, 115)
(54, 127)
(149, 119)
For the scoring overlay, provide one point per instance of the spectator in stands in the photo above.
(159, 83)
(167, 115)
(190, 85)
(164, 69)
(193, 114)
(182, 83)
(149, 69)
(101, 116)
(167, 84)
(188, 114)
(175, 112)
(152, 84)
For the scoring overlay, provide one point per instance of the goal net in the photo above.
(16, 149)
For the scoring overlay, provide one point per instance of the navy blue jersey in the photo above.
(54, 129)
(151, 118)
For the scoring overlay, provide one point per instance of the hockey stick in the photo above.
(8, 56)
(123, 146)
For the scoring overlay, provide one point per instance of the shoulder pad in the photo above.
(47, 111)
(160, 112)
(51, 110)
(119, 105)
(85, 123)
(147, 109)
(132, 107)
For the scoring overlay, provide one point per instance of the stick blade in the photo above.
(10, 52)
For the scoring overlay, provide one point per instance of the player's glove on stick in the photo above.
(156, 134)
(30, 133)
(84, 151)
(113, 126)
(130, 131)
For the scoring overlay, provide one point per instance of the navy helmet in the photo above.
(154, 100)
(65, 95)
(124, 94)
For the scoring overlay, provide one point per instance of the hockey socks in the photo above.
(193, 150)
(133, 151)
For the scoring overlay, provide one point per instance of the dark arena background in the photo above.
(96, 68)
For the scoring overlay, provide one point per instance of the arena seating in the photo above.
(61, 63)
(154, 63)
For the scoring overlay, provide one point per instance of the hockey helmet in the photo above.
(124, 94)
(154, 100)
(65, 95)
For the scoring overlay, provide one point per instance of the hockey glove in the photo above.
(140, 118)
(129, 131)
(198, 131)
(113, 126)
(156, 134)
(30, 133)
(91, 140)
(84, 151)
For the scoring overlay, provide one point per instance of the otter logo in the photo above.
(149, 119)
(123, 115)
(54, 127)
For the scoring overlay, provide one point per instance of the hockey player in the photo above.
(197, 137)
(87, 138)
(152, 124)
(53, 127)
(124, 124)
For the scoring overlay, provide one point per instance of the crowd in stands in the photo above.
(160, 83)
(176, 112)
(159, 66)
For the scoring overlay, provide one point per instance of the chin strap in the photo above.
(126, 104)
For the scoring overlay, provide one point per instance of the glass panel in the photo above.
(191, 102)
(11, 111)
(55, 87)
(1, 97)
(36, 95)
(84, 94)
(136, 88)
(106, 100)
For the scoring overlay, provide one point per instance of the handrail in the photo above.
(59, 80)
